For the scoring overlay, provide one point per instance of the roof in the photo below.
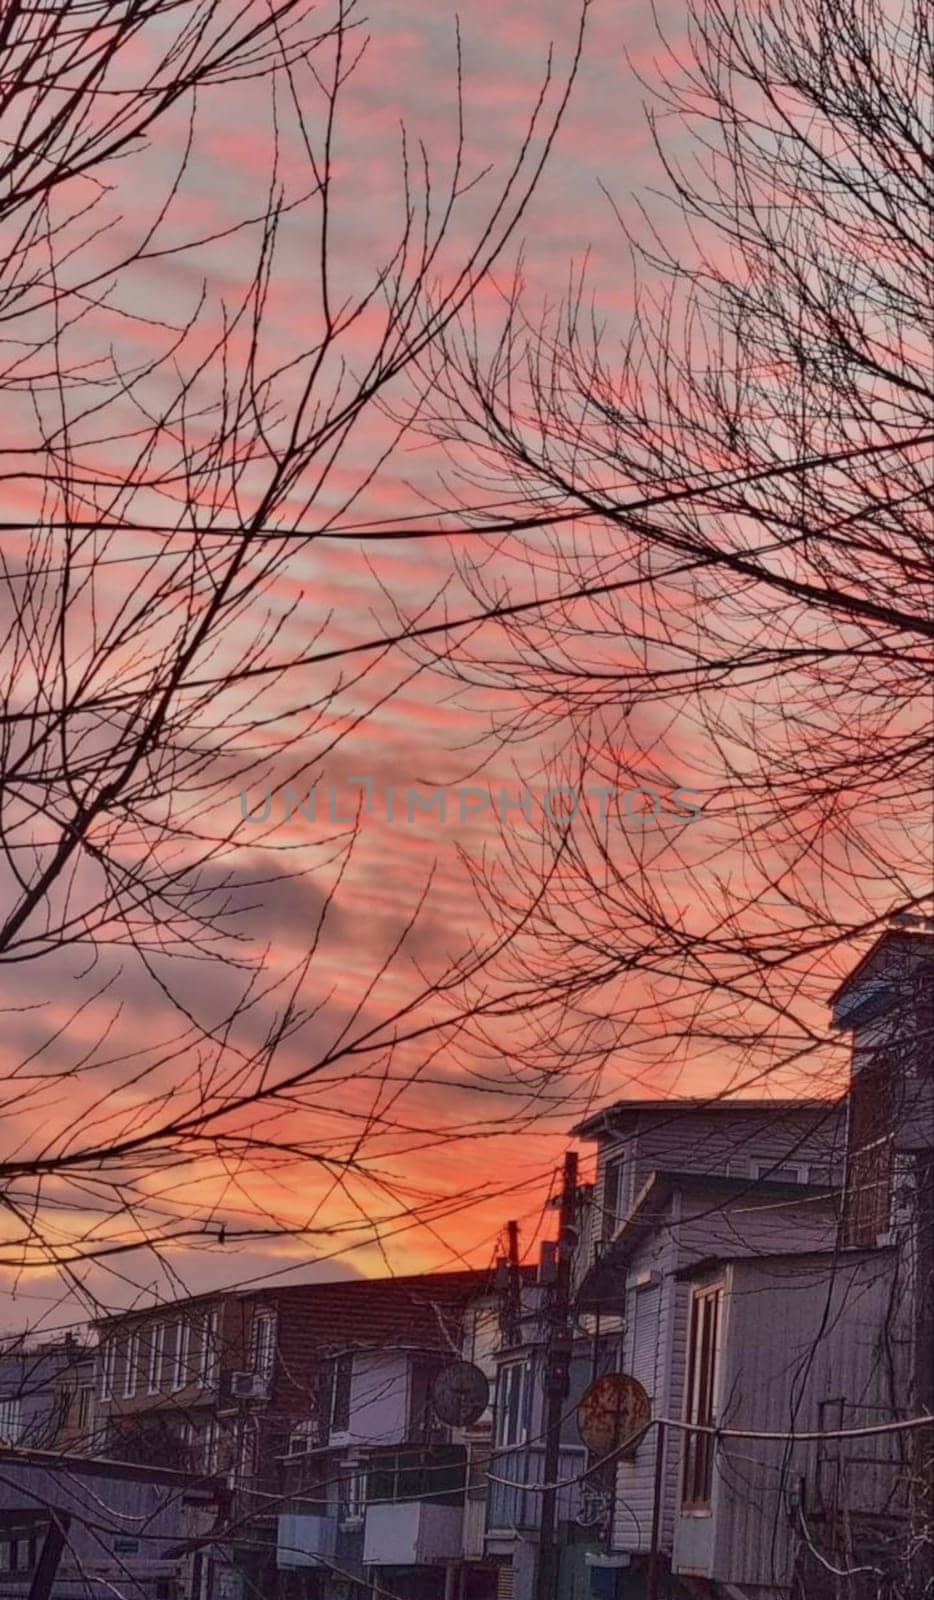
(600, 1120)
(102, 1467)
(373, 1312)
(381, 1308)
(655, 1194)
(804, 1258)
(918, 944)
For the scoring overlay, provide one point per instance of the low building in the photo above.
(36, 1383)
(379, 1492)
(677, 1221)
(763, 1517)
(98, 1529)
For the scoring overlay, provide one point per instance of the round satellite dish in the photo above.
(460, 1394)
(614, 1409)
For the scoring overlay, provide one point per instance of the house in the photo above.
(679, 1220)
(232, 1383)
(378, 1490)
(799, 1141)
(103, 1528)
(517, 1459)
(755, 1312)
(764, 1518)
(36, 1380)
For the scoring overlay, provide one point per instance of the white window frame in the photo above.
(263, 1344)
(775, 1171)
(108, 1367)
(84, 1404)
(247, 1450)
(181, 1355)
(12, 1425)
(130, 1364)
(701, 1397)
(618, 1160)
(210, 1444)
(303, 1437)
(209, 1352)
(156, 1356)
(342, 1367)
(511, 1430)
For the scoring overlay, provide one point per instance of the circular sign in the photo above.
(460, 1394)
(615, 1408)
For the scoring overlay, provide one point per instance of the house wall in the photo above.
(656, 1324)
(724, 1144)
(380, 1392)
(124, 1534)
(648, 1352)
(792, 1338)
(30, 1380)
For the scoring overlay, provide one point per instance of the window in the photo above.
(511, 1400)
(108, 1368)
(181, 1349)
(434, 1476)
(11, 1419)
(17, 1552)
(246, 1454)
(703, 1351)
(209, 1331)
(303, 1437)
(131, 1360)
(771, 1172)
(351, 1493)
(263, 1350)
(341, 1379)
(614, 1194)
(83, 1409)
(156, 1352)
(210, 1445)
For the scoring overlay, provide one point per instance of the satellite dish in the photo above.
(615, 1408)
(460, 1394)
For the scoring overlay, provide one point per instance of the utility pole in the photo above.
(557, 1368)
(512, 1300)
(43, 1579)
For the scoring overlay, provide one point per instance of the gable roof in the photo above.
(341, 1311)
(602, 1121)
(421, 1309)
(602, 1281)
(816, 1259)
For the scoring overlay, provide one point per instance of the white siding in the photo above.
(793, 1339)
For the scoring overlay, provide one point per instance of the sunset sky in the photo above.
(462, 1129)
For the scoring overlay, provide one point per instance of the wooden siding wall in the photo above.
(794, 1341)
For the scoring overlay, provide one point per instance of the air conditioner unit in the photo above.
(248, 1386)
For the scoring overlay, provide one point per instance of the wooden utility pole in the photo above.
(43, 1579)
(512, 1302)
(557, 1368)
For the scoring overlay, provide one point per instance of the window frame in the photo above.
(701, 1396)
(13, 1403)
(763, 1170)
(263, 1343)
(181, 1355)
(512, 1428)
(156, 1357)
(108, 1367)
(130, 1364)
(616, 1161)
(210, 1327)
(341, 1392)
